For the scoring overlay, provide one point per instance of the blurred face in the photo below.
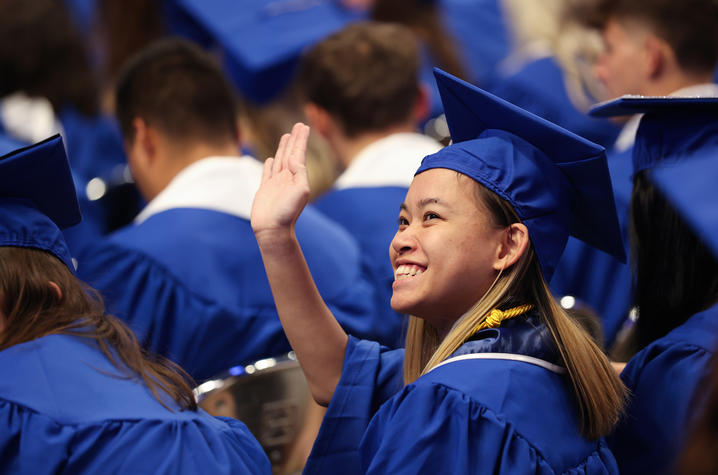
(622, 66)
(445, 251)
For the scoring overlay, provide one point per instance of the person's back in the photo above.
(186, 274)
(363, 95)
(78, 394)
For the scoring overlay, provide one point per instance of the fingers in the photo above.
(279, 158)
(267, 169)
(298, 152)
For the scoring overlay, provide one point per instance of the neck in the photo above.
(347, 148)
(182, 156)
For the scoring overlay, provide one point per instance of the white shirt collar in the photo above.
(390, 161)
(627, 137)
(224, 184)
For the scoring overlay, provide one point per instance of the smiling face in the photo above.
(446, 252)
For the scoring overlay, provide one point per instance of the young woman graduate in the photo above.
(676, 283)
(496, 377)
(77, 393)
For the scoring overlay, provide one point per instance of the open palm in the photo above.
(284, 190)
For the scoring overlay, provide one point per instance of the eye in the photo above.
(403, 221)
(429, 215)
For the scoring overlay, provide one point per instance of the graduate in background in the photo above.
(690, 189)
(651, 48)
(77, 392)
(497, 378)
(363, 96)
(186, 274)
(676, 288)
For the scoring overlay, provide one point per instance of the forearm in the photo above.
(317, 339)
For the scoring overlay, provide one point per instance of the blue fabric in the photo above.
(691, 188)
(191, 284)
(263, 39)
(539, 87)
(557, 182)
(370, 216)
(596, 278)
(668, 384)
(673, 136)
(507, 417)
(65, 408)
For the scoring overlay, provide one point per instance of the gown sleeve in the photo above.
(370, 376)
(666, 394)
(429, 428)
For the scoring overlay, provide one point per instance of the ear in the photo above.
(56, 289)
(513, 243)
(142, 147)
(422, 106)
(656, 51)
(319, 119)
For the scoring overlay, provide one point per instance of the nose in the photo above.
(404, 241)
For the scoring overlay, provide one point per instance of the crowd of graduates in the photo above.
(491, 249)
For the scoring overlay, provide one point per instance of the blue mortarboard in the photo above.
(263, 39)
(671, 128)
(557, 182)
(37, 198)
(691, 187)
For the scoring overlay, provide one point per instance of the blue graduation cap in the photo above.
(671, 128)
(557, 182)
(263, 39)
(691, 186)
(37, 198)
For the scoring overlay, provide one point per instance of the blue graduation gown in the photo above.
(191, 283)
(507, 416)
(63, 408)
(668, 380)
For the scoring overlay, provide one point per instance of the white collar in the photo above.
(627, 137)
(389, 161)
(224, 184)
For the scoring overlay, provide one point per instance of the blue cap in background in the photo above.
(691, 186)
(557, 182)
(262, 40)
(37, 198)
(671, 128)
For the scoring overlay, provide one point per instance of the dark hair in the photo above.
(366, 76)
(676, 276)
(42, 53)
(176, 87)
(689, 26)
(33, 310)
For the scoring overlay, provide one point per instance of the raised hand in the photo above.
(284, 190)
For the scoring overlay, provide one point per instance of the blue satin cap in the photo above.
(37, 198)
(691, 187)
(263, 39)
(556, 181)
(671, 128)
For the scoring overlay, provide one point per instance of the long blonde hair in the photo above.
(600, 395)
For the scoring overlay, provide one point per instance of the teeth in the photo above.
(405, 271)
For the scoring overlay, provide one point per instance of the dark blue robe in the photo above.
(483, 411)
(668, 380)
(65, 408)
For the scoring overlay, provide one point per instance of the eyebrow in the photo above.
(422, 203)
